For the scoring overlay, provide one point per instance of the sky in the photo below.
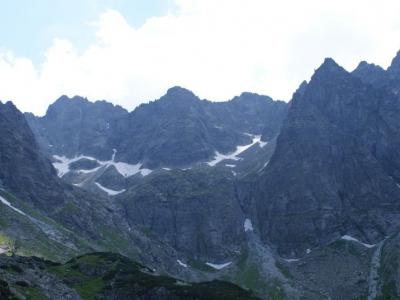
(130, 52)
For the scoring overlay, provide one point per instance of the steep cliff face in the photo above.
(24, 171)
(195, 211)
(361, 110)
(330, 174)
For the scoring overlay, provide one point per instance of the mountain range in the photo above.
(297, 200)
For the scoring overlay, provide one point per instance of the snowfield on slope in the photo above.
(9, 204)
(125, 169)
(109, 191)
(218, 267)
(349, 238)
(239, 149)
(248, 226)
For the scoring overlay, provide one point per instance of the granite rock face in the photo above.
(334, 169)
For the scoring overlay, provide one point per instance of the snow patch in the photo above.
(218, 267)
(248, 226)
(113, 155)
(181, 263)
(292, 259)
(128, 170)
(9, 204)
(89, 171)
(308, 251)
(62, 165)
(233, 156)
(108, 191)
(231, 166)
(349, 238)
(167, 169)
(125, 169)
(264, 166)
(262, 144)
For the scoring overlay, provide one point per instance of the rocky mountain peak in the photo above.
(372, 74)
(76, 100)
(10, 104)
(180, 93)
(247, 98)
(395, 65)
(302, 88)
(329, 66)
(363, 66)
(65, 104)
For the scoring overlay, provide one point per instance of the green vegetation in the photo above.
(69, 209)
(251, 278)
(103, 272)
(284, 270)
(388, 291)
(30, 293)
(275, 291)
(389, 268)
(6, 243)
(88, 289)
(5, 292)
(345, 247)
(14, 269)
(201, 266)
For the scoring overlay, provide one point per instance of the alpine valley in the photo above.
(184, 198)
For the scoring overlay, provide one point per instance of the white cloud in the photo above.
(217, 49)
